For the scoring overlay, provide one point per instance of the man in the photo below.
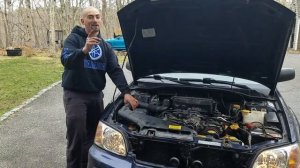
(86, 59)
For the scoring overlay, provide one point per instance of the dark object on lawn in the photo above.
(14, 52)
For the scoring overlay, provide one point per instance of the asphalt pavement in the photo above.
(35, 135)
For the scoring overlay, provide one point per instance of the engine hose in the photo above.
(249, 137)
(152, 107)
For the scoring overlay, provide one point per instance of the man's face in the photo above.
(91, 21)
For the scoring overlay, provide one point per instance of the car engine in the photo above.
(180, 124)
(189, 117)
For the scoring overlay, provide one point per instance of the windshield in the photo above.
(194, 76)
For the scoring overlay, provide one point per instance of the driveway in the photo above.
(35, 135)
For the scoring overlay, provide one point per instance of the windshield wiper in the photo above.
(211, 81)
(187, 81)
(177, 80)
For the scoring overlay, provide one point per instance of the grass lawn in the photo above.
(23, 77)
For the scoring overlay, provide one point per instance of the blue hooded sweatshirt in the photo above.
(86, 72)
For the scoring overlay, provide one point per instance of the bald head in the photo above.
(88, 10)
(90, 19)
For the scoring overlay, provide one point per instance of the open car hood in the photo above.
(239, 38)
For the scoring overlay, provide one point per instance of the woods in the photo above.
(44, 24)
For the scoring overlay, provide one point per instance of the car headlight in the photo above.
(110, 139)
(284, 157)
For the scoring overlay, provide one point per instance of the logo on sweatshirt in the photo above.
(66, 53)
(96, 52)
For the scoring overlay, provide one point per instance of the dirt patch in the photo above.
(2, 52)
(32, 52)
(290, 51)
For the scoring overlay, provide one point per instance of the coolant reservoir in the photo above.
(253, 116)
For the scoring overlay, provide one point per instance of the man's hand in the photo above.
(134, 103)
(91, 40)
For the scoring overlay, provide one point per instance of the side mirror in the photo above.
(128, 66)
(286, 74)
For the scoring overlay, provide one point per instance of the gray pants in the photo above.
(82, 116)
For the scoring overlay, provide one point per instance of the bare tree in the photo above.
(25, 22)
(52, 26)
(92, 3)
(103, 13)
(119, 4)
(6, 26)
(2, 23)
(32, 27)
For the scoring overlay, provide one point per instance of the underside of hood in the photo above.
(239, 38)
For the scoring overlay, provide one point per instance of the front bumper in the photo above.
(99, 158)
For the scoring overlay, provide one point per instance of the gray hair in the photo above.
(86, 10)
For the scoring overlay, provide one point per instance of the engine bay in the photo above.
(214, 120)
